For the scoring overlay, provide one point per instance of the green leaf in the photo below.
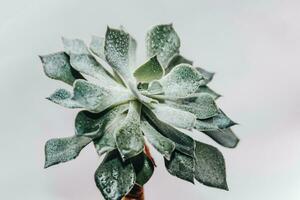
(74, 46)
(224, 137)
(129, 138)
(57, 66)
(163, 41)
(97, 46)
(221, 120)
(173, 116)
(162, 144)
(87, 122)
(181, 166)
(183, 142)
(88, 65)
(176, 60)
(202, 125)
(149, 71)
(208, 76)
(202, 105)
(155, 88)
(205, 89)
(97, 98)
(64, 98)
(182, 81)
(143, 167)
(64, 149)
(210, 166)
(114, 178)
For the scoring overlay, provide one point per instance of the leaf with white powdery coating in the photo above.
(176, 60)
(205, 89)
(64, 98)
(208, 76)
(64, 149)
(129, 138)
(74, 46)
(114, 178)
(149, 71)
(97, 46)
(57, 66)
(224, 137)
(210, 166)
(183, 80)
(97, 98)
(162, 144)
(163, 41)
(181, 166)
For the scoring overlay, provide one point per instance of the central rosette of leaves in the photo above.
(123, 104)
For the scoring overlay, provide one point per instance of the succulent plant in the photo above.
(125, 106)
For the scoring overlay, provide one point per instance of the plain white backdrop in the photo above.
(254, 46)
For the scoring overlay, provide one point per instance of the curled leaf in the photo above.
(64, 98)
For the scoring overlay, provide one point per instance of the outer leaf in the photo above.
(64, 98)
(57, 66)
(162, 144)
(182, 81)
(202, 105)
(149, 71)
(181, 166)
(97, 46)
(210, 166)
(114, 178)
(173, 116)
(208, 76)
(129, 138)
(183, 142)
(221, 120)
(97, 98)
(224, 137)
(205, 89)
(176, 60)
(74, 46)
(87, 64)
(202, 125)
(143, 167)
(64, 149)
(163, 41)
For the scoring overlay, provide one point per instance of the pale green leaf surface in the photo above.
(143, 167)
(183, 80)
(97, 98)
(162, 144)
(221, 120)
(205, 89)
(163, 41)
(74, 46)
(97, 46)
(208, 76)
(155, 88)
(181, 166)
(129, 138)
(210, 166)
(57, 66)
(64, 149)
(64, 98)
(149, 71)
(224, 137)
(176, 60)
(114, 178)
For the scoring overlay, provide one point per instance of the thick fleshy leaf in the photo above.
(114, 178)
(149, 71)
(208, 76)
(224, 137)
(57, 66)
(183, 142)
(155, 88)
(87, 64)
(182, 81)
(64, 149)
(97, 98)
(202, 105)
(176, 60)
(202, 125)
(129, 138)
(162, 144)
(210, 166)
(181, 166)
(143, 167)
(205, 89)
(221, 120)
(74, 46)
(87, 122)
(173, 116)
(97, 46)
(163, 41)
(64, 98)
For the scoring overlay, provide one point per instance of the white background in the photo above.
(254, 46)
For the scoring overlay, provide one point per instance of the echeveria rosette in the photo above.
(125, 106)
